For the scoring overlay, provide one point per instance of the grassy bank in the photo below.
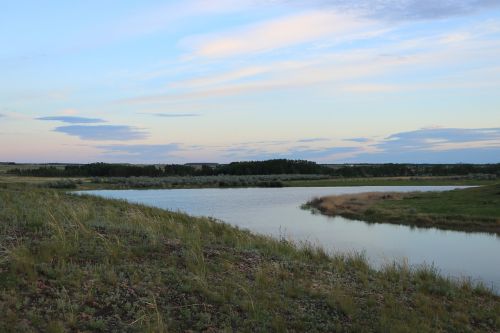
(393, 181)
(473, 209)
(70, 263)
(94, 183)
(223, 181)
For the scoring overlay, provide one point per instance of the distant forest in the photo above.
(270, 167)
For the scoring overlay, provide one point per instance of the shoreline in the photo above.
(268, 181)
(446, 210)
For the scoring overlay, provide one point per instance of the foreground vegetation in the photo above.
(471, 209)
(72, 263)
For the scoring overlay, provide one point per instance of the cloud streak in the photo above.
(276, 34)
(103, 132)
(428, 139)
(154, 153)
(405, 10)
(72, 119)
(325, 154)
(435, 145)
(359, 140)
(176, 115)
(428, 9)
(353, 70)
(313, 140)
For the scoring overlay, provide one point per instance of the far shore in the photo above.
(223, 181)
(470, 210)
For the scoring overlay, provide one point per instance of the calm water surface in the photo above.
(276, 212)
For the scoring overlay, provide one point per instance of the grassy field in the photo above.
(231, 181)
(391, 181)
(71, 263)
(94, 183)
(472, 209)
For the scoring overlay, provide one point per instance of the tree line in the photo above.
(269, 167)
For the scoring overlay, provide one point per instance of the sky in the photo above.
(332, 81)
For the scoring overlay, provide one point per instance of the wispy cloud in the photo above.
(404, 10)
(163, 17)
(303, 153)
(149, 20)
(313, 140)
(103, 132)
(428, 9)
(435, 145)
(360, 140)
(276, 34)
(229, 76)
(430, 145)
(72, 119)
(463, 155)
(427, 139)
(321, 154)
(304, 74)
(252, 63)
(176, 115)
(154, 153)
(352, 70)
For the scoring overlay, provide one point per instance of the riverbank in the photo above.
(393, 181)
(84, 263)
(177, 182)
(473, 209)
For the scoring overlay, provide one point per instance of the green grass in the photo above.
(71, 263)
(94, 183)
(391, 181)
(474, 209)
(173, 182)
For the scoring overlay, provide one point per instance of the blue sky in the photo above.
(332, 81)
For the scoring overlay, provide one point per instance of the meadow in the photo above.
(286, 180)
(81, 263)
(469, 180)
